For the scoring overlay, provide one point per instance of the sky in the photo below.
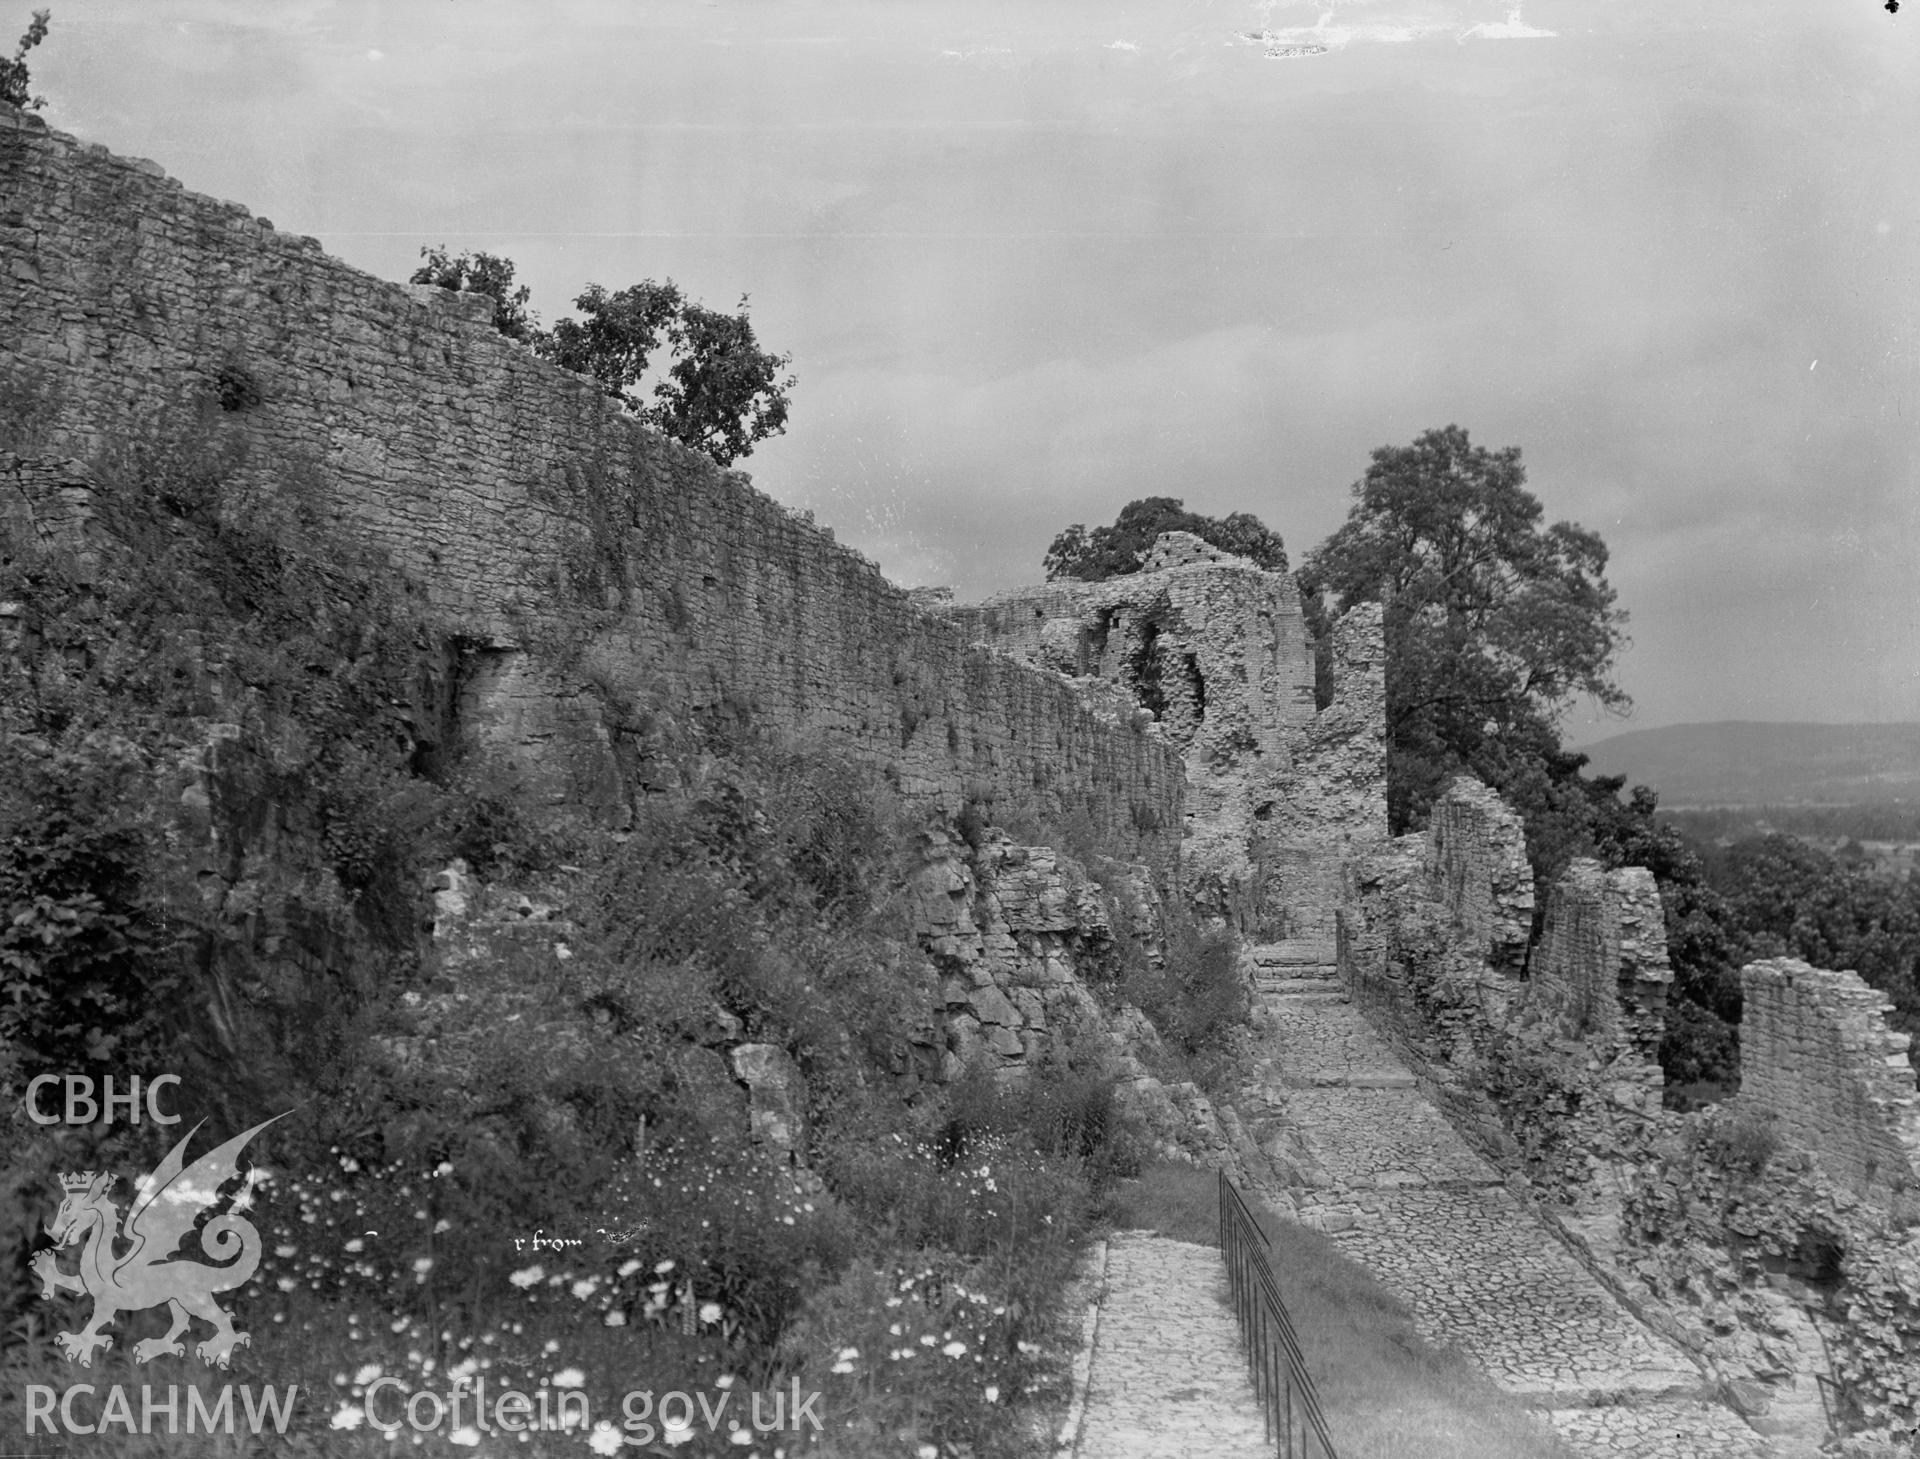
(1033, 261)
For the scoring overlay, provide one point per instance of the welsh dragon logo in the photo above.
(165, 1207)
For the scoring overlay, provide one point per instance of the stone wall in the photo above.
(1600, 973)
(581, 561)
(1545, 1060)
(1816, 1052)
(1216, 651)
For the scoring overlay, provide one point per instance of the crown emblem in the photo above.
(77, 1182)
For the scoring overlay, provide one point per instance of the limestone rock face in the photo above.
(777, 1095)
(1012, 929)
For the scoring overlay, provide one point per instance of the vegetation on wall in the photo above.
(1119, 549)
(15, 83)
(719, 393)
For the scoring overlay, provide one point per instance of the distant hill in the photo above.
(1745, 762)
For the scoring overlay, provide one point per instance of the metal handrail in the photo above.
(1275, 1361)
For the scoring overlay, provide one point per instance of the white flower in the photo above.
(367, 1374)
(466, 1435)
(725, 1380)
(662, 1268)
(992, 1394)
(676, 1435)
(926, 1340)
(585, 1287)
(605, 1438)
(348, 1418)
(287, 1284)
(954, 1349)
(927, 1451)
(422, 1265)
(631, 1265)
(563, 952)
(356, 1245)
(283, 1252)
(569, 1378)
(710, 1311)
(445, 1167)
(740, 1436)
(465, 1368)
(527, 1277)
(443, 1224)
(615, 1318)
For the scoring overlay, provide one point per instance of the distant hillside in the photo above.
(1744, 762)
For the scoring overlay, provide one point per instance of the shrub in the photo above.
(1741, 1140)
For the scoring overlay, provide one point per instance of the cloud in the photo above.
(1510, 29)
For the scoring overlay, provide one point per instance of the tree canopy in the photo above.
(1495, 620)
(1106, 552)
(719, 392)
(14, 81)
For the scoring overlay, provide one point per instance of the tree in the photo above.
(1494, 621)
(482, 273)
(1115, 551)
(13, 73)
(722, 394)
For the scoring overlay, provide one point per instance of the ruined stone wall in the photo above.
(1216, 651)
(1478, 864)
(1601, 974)
(1816, 1052)
(578, 557)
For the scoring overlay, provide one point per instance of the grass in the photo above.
(1386, 1391)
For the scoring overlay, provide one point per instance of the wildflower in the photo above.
(615, 1318)
(466, 1435)
(725, 1380)
(399, 1324)
(443, 1224)
(445, 1167)
(552, 1345)
(992, 1393)
(356, 1245)
(927, 1451)
(367, 1374)
(954, 1349)
(421, 1266)
(527, 1277)
(631, 1265)
(286, 1284)
(465, 1368)
(740, 1436)
(569, 1378)
(662, 1268)
(283, 1252)
(605, 1438)
(926, 1340)
(710, 1311)
(348, 1418)
(585, 1287)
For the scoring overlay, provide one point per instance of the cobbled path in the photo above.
(1168, 1378)
(1401, 1192)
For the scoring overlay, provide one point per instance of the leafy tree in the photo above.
(482, 273)
(1495, 621)
(1106, 552)
(13, 73)
(722, 394)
